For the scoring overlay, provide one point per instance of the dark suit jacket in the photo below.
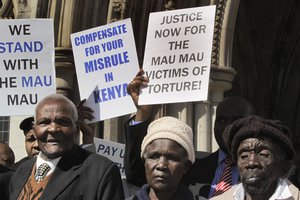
(5, 176)
(17, 164)
(198, 178)
(133, 163)
(78, 175)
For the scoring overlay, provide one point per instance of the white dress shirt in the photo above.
(52, 163)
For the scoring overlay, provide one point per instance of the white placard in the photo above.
(178, 55)
(106, 61)
(27, 72)
(113, 150)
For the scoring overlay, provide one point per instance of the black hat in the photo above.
(26, 124)
(255, 126)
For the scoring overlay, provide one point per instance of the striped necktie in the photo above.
(226, 178)
(42, 171)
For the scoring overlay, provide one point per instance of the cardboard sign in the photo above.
(112, 150)
(178, 55)
(27, 72)
(106, 61)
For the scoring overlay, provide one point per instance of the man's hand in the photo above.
(144, 112)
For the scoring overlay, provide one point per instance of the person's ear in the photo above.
(187, 166)
(77, 128)
(286, 167)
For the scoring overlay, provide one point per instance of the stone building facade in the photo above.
(233, 23)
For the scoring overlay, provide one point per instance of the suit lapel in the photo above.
(66, 171)
(21, 177)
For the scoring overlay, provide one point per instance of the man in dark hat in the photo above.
(31, 145)
(264, 155)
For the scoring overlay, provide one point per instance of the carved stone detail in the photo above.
(117, 10)
(220, 10)
(6, 10)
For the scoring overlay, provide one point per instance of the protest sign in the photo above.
(27, 72)
(112, 150)
(178, 55)
(106, 61)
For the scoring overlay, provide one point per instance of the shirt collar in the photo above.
(239, 192)
(282, 191)
(52, 163)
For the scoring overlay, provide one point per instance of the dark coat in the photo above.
(182, 193)
(78, 175)
(5, 176)
(198, 178)
(133, 163)
(17, 164)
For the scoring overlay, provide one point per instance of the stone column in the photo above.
(25, 8)
(202, 128)
(65, 73)
(221, 79)
(222, 73)
(6, 9)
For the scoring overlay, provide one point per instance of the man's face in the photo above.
(55, 128)
(165, 163)
(260, 164)
(7, 157)
(227, 113)
(31, 145)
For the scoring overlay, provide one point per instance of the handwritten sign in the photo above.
(27, 72)
(112, 150)
(106, 61)
(178, 55)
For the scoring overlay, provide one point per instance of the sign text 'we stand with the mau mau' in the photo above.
(27, 72)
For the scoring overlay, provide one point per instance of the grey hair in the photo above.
(59, 97)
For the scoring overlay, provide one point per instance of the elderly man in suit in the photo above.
(31, 146)
(264, 155)
(63, 170)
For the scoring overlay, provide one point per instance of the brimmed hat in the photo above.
(26, 124)
(173, 129)
(257, 127)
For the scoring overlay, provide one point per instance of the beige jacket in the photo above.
(229, 194)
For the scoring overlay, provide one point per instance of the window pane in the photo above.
(4, 128)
